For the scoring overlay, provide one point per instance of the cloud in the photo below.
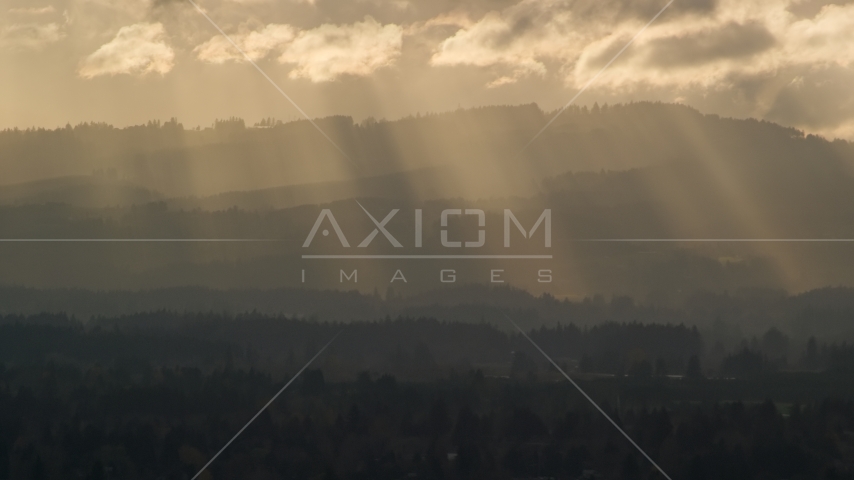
(165, 3)
(320, 54)
(33, 10)
(31, 36)
(729, 41)
(773, 59)
(715, 53)
(825, 38)
(518, 40)
(256, 44)
(756, 57)
(454, 18)
(327, 52)
(112, 10)
(136, 50)
(703, 44)
(784, 60)
(527, 37)
(818, 99)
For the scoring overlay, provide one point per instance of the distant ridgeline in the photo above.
(727, 318)
(636, 171)
(229, 156)
(409, 348)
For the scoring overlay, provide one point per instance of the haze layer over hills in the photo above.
(637, 171)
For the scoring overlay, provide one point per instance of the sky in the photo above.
(126, 62)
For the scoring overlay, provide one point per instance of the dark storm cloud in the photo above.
(729, 41)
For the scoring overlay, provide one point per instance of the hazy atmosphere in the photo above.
(411, 239)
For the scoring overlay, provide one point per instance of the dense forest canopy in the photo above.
(155, 395)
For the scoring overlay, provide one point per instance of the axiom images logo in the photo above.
(461, 234)
(326, 215)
